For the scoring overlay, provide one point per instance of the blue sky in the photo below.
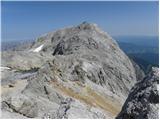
(28, 20)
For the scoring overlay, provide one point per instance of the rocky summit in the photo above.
(75, 72)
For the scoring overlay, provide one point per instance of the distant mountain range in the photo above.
(11, 45)
(148, 41)
(134, 48)
(143, 50)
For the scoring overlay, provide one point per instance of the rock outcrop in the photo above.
(143, 100)
(80, 73)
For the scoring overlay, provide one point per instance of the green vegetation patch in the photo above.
(40, 39)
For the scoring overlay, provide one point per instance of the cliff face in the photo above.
(80, 73)
(139, 72)
(143, 100)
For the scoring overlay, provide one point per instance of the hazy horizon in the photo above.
(28, 20)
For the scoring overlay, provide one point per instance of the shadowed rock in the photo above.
(143, 100)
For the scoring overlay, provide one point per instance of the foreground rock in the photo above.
(143, 100)
(80, 73)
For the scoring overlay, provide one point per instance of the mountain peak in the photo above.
(86, 26)
(79, 66)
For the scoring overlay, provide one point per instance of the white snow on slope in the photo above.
(38, 49)
(4, 68)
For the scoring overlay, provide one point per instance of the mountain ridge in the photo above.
(77, 69)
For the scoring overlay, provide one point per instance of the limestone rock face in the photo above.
(143, 100)
(80, 73)
(89, 54)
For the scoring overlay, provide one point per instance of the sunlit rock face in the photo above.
(79, 72)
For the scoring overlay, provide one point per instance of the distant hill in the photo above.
(145, 64)
(134, 48)
(12, 45)
(148, 41)
(143, 50)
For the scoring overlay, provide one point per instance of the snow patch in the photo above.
(38, 49)
(4, 68)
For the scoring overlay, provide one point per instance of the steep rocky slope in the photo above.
(139, 72)
(143, 100)
(80, 73)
